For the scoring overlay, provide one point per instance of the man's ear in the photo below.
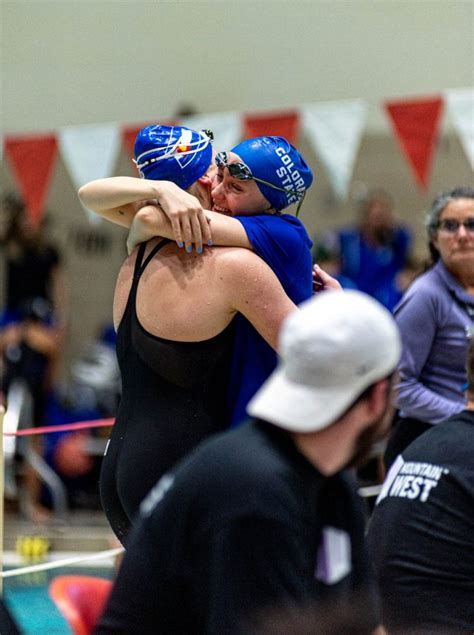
(379, 396)
(205, 180)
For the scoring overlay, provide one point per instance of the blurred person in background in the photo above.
(32, 322)
(32, 265)
(267, 516)
(373, 252)
(326, 255)
(435, 317)
(421, 533)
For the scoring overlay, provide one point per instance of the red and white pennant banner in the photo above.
(90, 152)
(460, 103)
(334, 129)
(416, 126)
(32, 161)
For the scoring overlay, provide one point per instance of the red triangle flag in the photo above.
(32, 159)
(283, 124)
(416, 124)
(129, 133)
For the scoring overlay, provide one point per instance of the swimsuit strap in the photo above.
(138, 261)
(139, 267)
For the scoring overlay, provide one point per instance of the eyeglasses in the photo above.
(242, 172)
(452, 225)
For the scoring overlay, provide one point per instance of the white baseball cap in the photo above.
(331, 350)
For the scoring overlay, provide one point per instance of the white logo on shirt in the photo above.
(411, 479)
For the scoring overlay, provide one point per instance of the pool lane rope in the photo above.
(56, 564)
(66, 562)
(63, 427)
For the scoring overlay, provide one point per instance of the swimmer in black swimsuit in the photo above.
(174, 318)
(173, 397)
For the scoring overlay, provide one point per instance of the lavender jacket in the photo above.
(434, 317)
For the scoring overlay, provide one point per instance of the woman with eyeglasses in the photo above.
(436, 317)
(175, 311)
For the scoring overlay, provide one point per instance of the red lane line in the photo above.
(65, 427)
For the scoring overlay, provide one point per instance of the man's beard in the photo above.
(368, 437)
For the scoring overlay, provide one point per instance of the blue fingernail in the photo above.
(209, 242)
(189, 249)
(199, 250)
(180, 244)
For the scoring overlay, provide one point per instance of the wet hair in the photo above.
(438, 206)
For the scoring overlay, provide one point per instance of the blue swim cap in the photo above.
(275, 160)
(172, 153)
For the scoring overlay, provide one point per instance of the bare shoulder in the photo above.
(241, 271)
(126, 270)
(239, 261)
(123, 286)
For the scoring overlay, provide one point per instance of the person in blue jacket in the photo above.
(250, 187)
(376, 250)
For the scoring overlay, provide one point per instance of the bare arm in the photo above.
(254, 290)
(151, 221)
(117, 199)
(179, 215)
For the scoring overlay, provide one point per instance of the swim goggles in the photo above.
(242, 172)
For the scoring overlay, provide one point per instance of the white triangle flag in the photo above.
(90, 152)
(335, 129)
(226, 127)
(460, 103)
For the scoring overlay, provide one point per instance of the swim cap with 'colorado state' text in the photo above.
(275, 160)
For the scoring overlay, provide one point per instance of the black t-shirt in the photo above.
(29, 276)
(421, 535)
(245, 524)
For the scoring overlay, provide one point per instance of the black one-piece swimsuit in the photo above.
(173, 397)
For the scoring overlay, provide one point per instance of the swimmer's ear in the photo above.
(205, 180)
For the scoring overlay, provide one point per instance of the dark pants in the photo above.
(404, 432)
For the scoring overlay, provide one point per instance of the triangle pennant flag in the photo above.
(89, 153)
(460, 103)
(335, 129)
(416, 125)
(32, 160)
(129, 133)
(283, 124)
(225, 126)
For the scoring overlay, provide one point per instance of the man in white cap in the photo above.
(266, 517)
